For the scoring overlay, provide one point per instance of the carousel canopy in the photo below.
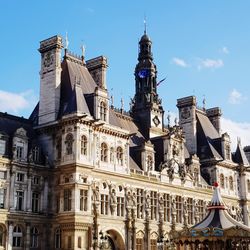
(218, 217)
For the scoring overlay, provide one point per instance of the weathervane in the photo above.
(145, 25)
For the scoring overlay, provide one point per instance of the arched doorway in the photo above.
(114, 240)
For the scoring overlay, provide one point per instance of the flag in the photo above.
(158, 83)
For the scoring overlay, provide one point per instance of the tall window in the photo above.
(222, 181)
(59, 148)
(119, 155)
(190, 211)
(79, 242)
(104, 152)
(2, 236)
(178, 209)
(83, 200)
(69, 144)
(153, 243)
(58, 238)
(19, 200)
(231, 183)
(84, 144)
(35, 154)
(17, 236)
(153, 205)
(67, 200)
(2, 197)
(149, 163)
(103, 111)
(34, 237)
(20, 177)
(35, 202)
(139, 244)
(69, 242)
(104, 204)
(166, 199)
(120, 206)
(200, 207)
(140, 204)
(2, 146)
(19, 151)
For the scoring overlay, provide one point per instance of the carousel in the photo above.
(217, 231)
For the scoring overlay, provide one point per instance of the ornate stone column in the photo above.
(27, 239)
(10, 236)
(147, 244)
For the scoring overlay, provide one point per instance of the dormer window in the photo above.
(2, 146)
(227, 152)
(20, 177)
(35, 153)
(103, 111)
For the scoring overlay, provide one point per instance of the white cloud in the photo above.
(210, 63)
(235, 97)
(235, 130)
(225, 50)
(15, 102)
(179, 62)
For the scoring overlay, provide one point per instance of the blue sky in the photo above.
(202, 47)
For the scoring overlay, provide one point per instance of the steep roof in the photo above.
(240, 156)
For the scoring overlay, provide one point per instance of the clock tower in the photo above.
(146, 106)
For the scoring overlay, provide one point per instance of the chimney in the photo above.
(214, 115)
(50, 79)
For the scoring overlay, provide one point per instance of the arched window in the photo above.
(149, 162)
(104, 152)
(231, 183)
(119, 155)
(84, 143)
(222, 182)
(17, 236)
(103, 111)
(2, 236)
(69, 144)
(34, 237)
(58, 238)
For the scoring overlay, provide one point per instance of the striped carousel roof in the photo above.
(218, 217)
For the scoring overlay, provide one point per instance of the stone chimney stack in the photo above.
(187, 120)
(97, 68)
(214, 115)
(50, 79)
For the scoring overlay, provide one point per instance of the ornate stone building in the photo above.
(80, 174)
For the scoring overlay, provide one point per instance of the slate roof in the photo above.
(240, 156)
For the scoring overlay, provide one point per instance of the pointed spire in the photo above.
(216, 201)
(122, 105)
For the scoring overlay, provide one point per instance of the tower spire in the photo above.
(145, 25)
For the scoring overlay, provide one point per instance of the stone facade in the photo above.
(80, 174)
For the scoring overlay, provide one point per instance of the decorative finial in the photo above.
(238, 140)
(66, 41)
(175, 121)
(112, 100)
(122, 104)
(83, 48)
(204, 102)
(168, 117)
(145, 25)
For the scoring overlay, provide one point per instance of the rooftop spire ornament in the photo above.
(145, 25)
(66, 41)
(83, 48)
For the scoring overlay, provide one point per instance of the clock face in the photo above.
(48, 59)
(143, 73)
(156, 121)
